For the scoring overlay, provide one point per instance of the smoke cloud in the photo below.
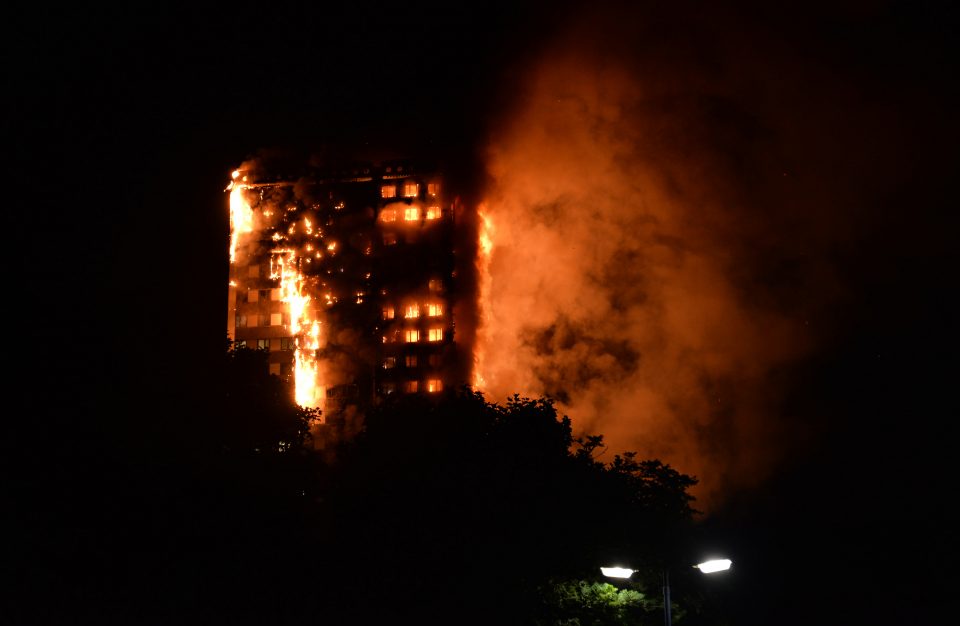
(662, 243)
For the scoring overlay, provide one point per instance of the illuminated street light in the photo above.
(714, 565)
(617, 572)
(707, 567)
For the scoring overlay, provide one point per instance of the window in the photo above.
(274, 294)
(253, 296)
(410, 360)
(286, 369)
(412, 336)
(253, 271)
(433, 189)
(410, 190)
(411, 214)
(263, 344)
(275, 369)
(241, 343)
(434, 385)
(434, 310)
(251, 320)
(388, 388)
(411, 311)
(389, 363)
(276, 319)
(388, 191)
(389, 239)
(433, 212)
(388, 215)
(436, 334)
(241, 321)
(288, 343)
(411, 386)
(435, 360)
(436, 285)
(388, 312)
(264, 294)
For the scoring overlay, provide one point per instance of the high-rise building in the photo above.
(347, 276)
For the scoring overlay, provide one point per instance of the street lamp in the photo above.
(707, 567)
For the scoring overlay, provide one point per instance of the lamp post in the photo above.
(707, 567)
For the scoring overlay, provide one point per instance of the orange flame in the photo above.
(484, 256)
(241, 218)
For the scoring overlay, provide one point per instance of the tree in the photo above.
(462, 502)
(259, 413)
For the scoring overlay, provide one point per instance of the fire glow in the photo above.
(304, 327)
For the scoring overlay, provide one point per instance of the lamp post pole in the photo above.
(667, 617)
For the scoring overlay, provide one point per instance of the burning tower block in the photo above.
(347, 278)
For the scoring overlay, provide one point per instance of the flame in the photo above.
(484, 256)
(304, 329)
(241, 218)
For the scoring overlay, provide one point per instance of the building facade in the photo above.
(347, 277)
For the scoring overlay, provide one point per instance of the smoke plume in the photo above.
(655, 264)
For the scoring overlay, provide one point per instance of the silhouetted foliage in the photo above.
(484, 504)
(447, 509)
(258, 411)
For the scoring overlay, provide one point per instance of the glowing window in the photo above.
(410, 360)
(253, 296)
(388, 313)
(251, 320)
(388, 191)
(288, 343)
(276, 319)
(436, 285)
(411, 311)
(274, 294)
(434, 385)
(433, 212)
(388, 215)
(433, 188)
(263, 344)
(436, 334)
(242, 343)
(412, 335)
(410, 190)
(411, 214)
(411, 386)
(241, 321)
(434, 310)
(389, 363)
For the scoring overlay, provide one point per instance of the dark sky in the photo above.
(122, 126)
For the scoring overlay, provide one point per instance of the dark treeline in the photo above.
(442, 510)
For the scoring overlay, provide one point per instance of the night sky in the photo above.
(123, 126)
